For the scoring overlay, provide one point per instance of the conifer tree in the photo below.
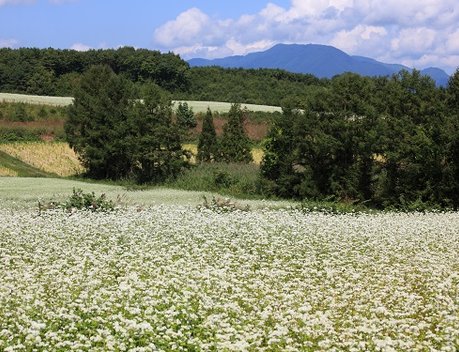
(208, 143)
(235, 145)
(118, 136)
(185, 116)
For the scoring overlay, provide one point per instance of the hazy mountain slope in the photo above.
(320, 60)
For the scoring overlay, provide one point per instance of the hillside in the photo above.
(319, 60)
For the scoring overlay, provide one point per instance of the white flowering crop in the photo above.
(175, 278)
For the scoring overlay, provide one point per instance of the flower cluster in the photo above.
(176, 278)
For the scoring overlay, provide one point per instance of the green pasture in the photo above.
(28, 191)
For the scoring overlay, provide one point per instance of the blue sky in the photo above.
(417, 33)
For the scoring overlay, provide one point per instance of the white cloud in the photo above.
(187, 27)
(452, 42)
(417, 31)
(81, 47)
(362, 36)
(414, 41)
(8, 43)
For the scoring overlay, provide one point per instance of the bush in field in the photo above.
(81, 201)
(89, 201)
(118, 136)
(235, 145)
(208, 143)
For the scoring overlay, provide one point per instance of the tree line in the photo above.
(58, 72)
(386, 142)
(122, 132)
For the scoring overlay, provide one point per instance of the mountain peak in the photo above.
(323, 61)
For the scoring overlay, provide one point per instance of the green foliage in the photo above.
(20, 113)
(235, 179)
(185, 116)
(208, 147)
(222, 205)
(156, 141)
(384, 142)
(453, 92)
(20, 134)
(88, 201)
(80, 200)
(235, 145)
(330, 206)
(24, 112)
(54, 71)
(255, 86)
(117, 136)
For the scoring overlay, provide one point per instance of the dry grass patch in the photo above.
(4, 171)
(57, 158)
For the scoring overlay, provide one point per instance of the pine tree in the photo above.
(235, 145)
(118, 136)
(185, 116)
(208, 143)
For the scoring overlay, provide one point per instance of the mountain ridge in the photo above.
(322, 61)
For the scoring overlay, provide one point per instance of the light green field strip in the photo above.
(201, 106)
(35, 99)
(19, 192)
(197, 106)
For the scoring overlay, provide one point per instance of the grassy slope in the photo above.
(27, 191)
(22, 169)
(198, 106)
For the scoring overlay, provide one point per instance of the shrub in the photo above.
(81, 201)
(222, 205)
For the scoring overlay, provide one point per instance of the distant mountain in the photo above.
(322, 61)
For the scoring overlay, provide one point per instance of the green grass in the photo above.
(20, 192)
(237, 180)
(197, 106)
(22, 169)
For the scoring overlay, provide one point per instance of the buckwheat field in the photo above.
(182, 278)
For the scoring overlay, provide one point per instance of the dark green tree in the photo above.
(42, 82)
(97, 123)
(156, 141)
(185, 116)
(208, 143)
(451, 129)
(118, 136)
(235, 145)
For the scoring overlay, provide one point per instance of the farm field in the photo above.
(172, 276)
(198, 106)
(59, 159)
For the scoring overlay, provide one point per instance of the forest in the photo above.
(381, 141)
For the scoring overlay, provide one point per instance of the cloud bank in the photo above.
(418, 33)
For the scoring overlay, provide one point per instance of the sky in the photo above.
(416, 33)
